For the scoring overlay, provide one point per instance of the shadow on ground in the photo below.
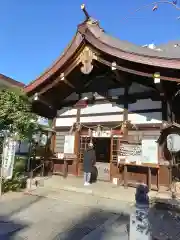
(164, 221)
(16, 205)
(9, 228)
(164, 218)
(108, 222)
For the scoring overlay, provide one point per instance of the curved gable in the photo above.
(89, 32)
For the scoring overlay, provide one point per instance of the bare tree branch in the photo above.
(155, 6)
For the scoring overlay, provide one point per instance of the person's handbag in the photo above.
(94, 174)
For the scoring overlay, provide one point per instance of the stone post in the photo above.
(139, 228)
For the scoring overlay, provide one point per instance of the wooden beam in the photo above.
(145, 82)
(136, 72)
(119, 78)
(164, 100)
(90, 81)
(131, 98)
(125, 113)
(63, 78)
(59, 79)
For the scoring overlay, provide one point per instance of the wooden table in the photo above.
(149, 166)
(65, 165)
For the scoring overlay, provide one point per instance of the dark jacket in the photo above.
(89, 159)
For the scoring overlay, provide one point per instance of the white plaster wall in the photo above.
(65, 122)
(145, 118)
(148, 118)
(102, 108)
(135, 118)
(112, 107)
(67, 111)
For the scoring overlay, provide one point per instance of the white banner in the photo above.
(8, 158)
(69, 144)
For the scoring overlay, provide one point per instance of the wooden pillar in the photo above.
(52, 146)
(125, 113)
(164, 109)
(77, 143)
(164, 101)
(53, 137)
(125, 118)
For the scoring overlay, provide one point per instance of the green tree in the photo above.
(15, 113)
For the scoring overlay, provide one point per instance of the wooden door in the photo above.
(102, 147)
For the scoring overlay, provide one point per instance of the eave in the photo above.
(89, 33)
(97, 38)
(11, 81)
(60, 63)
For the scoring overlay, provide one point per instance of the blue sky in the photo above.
(33, 33)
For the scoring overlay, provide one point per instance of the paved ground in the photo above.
(33, 217)
(67, 216)
(99, 189)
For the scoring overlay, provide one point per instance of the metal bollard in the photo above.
(139, 228)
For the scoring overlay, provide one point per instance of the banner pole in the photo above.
(1, 180)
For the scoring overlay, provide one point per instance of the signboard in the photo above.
(8, 158)
(101, 133)
(130, 152)
(149, 151)
(103, 171)
(69, 144)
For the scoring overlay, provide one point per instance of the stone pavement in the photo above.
(69, 215)
(102, 189)
(99, 189)
(90, 201)
(49, 219)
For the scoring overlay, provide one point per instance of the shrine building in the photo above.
(115, 94)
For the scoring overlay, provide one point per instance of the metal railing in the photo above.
(33, 170)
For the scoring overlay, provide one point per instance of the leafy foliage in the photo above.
(17, 183)
(18, 180)
(15, 113)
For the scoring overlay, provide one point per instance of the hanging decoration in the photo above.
(124, 127)
(98, 130)
(72, 129)
(111, 132)
(78, 127)
(89, 132)
(91, 142)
